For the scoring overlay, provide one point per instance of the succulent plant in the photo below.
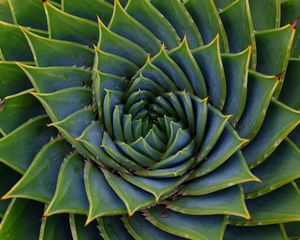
(149, 119)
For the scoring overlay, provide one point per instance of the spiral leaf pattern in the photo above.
(149, 119)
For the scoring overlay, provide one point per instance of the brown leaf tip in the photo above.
(2, 104)
(295, 22)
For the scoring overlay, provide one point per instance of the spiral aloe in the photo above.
(149, 119)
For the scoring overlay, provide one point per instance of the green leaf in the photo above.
(187, 226)
(256, 107)
(181, 139)
(182, 155)
(17, 109)
(236, 73)
(165, 63)
(38, 182)
(5, 12)
(20, 10)
(294, 136)
(61, 77)
(64, 26)
(277, 44)
(113, 64)
(137, 156)
(70, 196)
(181, 20)
(146, 84)
(281, 205)
(270, 232)
(279, 122)
(21, 220)
(265, 14)
(111, 149)
(200, 109)
(62, 103)
(104, 81)
(92, 138)
(115, 44)
(29, 138)
(209, 60)
(103, 200)
(142, 229)
(292, 229)
(267, 172)
(232, 172)
(185, 60)
(152, 72)
(240, 34)
(215, 125)
(111, 99)
(208, 21)
(112, 228)
(75, 123)
(56, 226)
(12, 36)
(82, 232)
(229, 201)
(158, 187)
(126, 26)
(220, 4)
(143, 147)
(12, 79)
(228, 143)
(289, 94)
(289, 13)
(51, 52)
(133, 197)
(8, 177)
(89, 9)
(151, 18)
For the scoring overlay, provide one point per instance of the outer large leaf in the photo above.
(209, 60)
(20, 13)
(290, 90)
(82, 232)
(271, 232)
(181, 20)
(89, 9)
(208, 21)
(12, 79)
(150, 17)
(112, 228)
(229, 201)
(38, 183)
(102, 199)
(280, 121)
(21, 220)
(68, 27)
(30, 138)
(240, 35)
(192, 227)
(56, 226)
(133, 197)
(236, 73)
(233, 171)
(12, 36)
(267, 172)
(70, 196)
(142, 229)
(278, 206)
(265, 14)
(59, 53)
(17, 109)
